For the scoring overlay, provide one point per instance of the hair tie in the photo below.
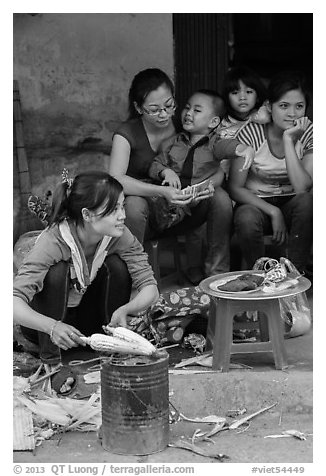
(66, 179)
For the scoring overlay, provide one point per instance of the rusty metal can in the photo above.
(135, 404)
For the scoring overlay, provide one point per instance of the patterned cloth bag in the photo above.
(167, 319)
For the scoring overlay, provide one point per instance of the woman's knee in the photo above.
(119, 283)
(117, 269)
(52, 299)
(136, 207)
(136, 215)
(247, 220)
(302, 203)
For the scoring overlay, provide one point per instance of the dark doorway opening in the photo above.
(271, 42)
(200, 52)
(207, 44)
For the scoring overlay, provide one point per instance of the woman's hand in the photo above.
(278, 225)
(119, 318)
(299, 126)
(66, 336)
(170, 178)
(175, 196)
(142, 300)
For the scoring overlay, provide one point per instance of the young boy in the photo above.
(192, 156)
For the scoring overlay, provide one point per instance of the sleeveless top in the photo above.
(141, 153)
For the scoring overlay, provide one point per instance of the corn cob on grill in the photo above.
(121, 341)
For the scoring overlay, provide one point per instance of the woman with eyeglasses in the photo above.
(138, 140)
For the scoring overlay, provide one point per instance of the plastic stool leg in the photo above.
(263, 327)
(223, 335)
(276, 334)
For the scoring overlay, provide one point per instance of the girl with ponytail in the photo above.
(79, 273)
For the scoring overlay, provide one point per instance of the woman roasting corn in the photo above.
(79, 273)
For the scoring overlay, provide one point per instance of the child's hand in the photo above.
(262, 116)
(207, 192)
(248, 153)
(203, 195)
(299, 126)
(170, 178)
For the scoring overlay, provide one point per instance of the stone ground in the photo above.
(200, 395)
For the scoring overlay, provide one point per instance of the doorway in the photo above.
(207, 44)
(200, 52)
(272, 42)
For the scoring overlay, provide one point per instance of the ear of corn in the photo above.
(130, 336)
(112, 344)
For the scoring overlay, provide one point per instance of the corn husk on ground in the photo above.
(61, 414)
(121, 340)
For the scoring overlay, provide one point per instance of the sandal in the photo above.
(64, 378)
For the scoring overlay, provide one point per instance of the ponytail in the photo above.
(88, 190)
(59, 203)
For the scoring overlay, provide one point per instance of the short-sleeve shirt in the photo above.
(141, 153)
(268, 174)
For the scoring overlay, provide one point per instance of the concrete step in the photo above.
(220, 392)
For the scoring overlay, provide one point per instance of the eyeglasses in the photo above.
(155, 111)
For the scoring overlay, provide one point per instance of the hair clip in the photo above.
(66, 179)
(39, 207)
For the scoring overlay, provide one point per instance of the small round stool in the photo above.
(226, 305)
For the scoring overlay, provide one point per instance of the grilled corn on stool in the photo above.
(224, 306)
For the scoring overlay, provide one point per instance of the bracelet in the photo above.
(52, 329)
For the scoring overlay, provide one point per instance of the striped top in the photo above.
(268, 173)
